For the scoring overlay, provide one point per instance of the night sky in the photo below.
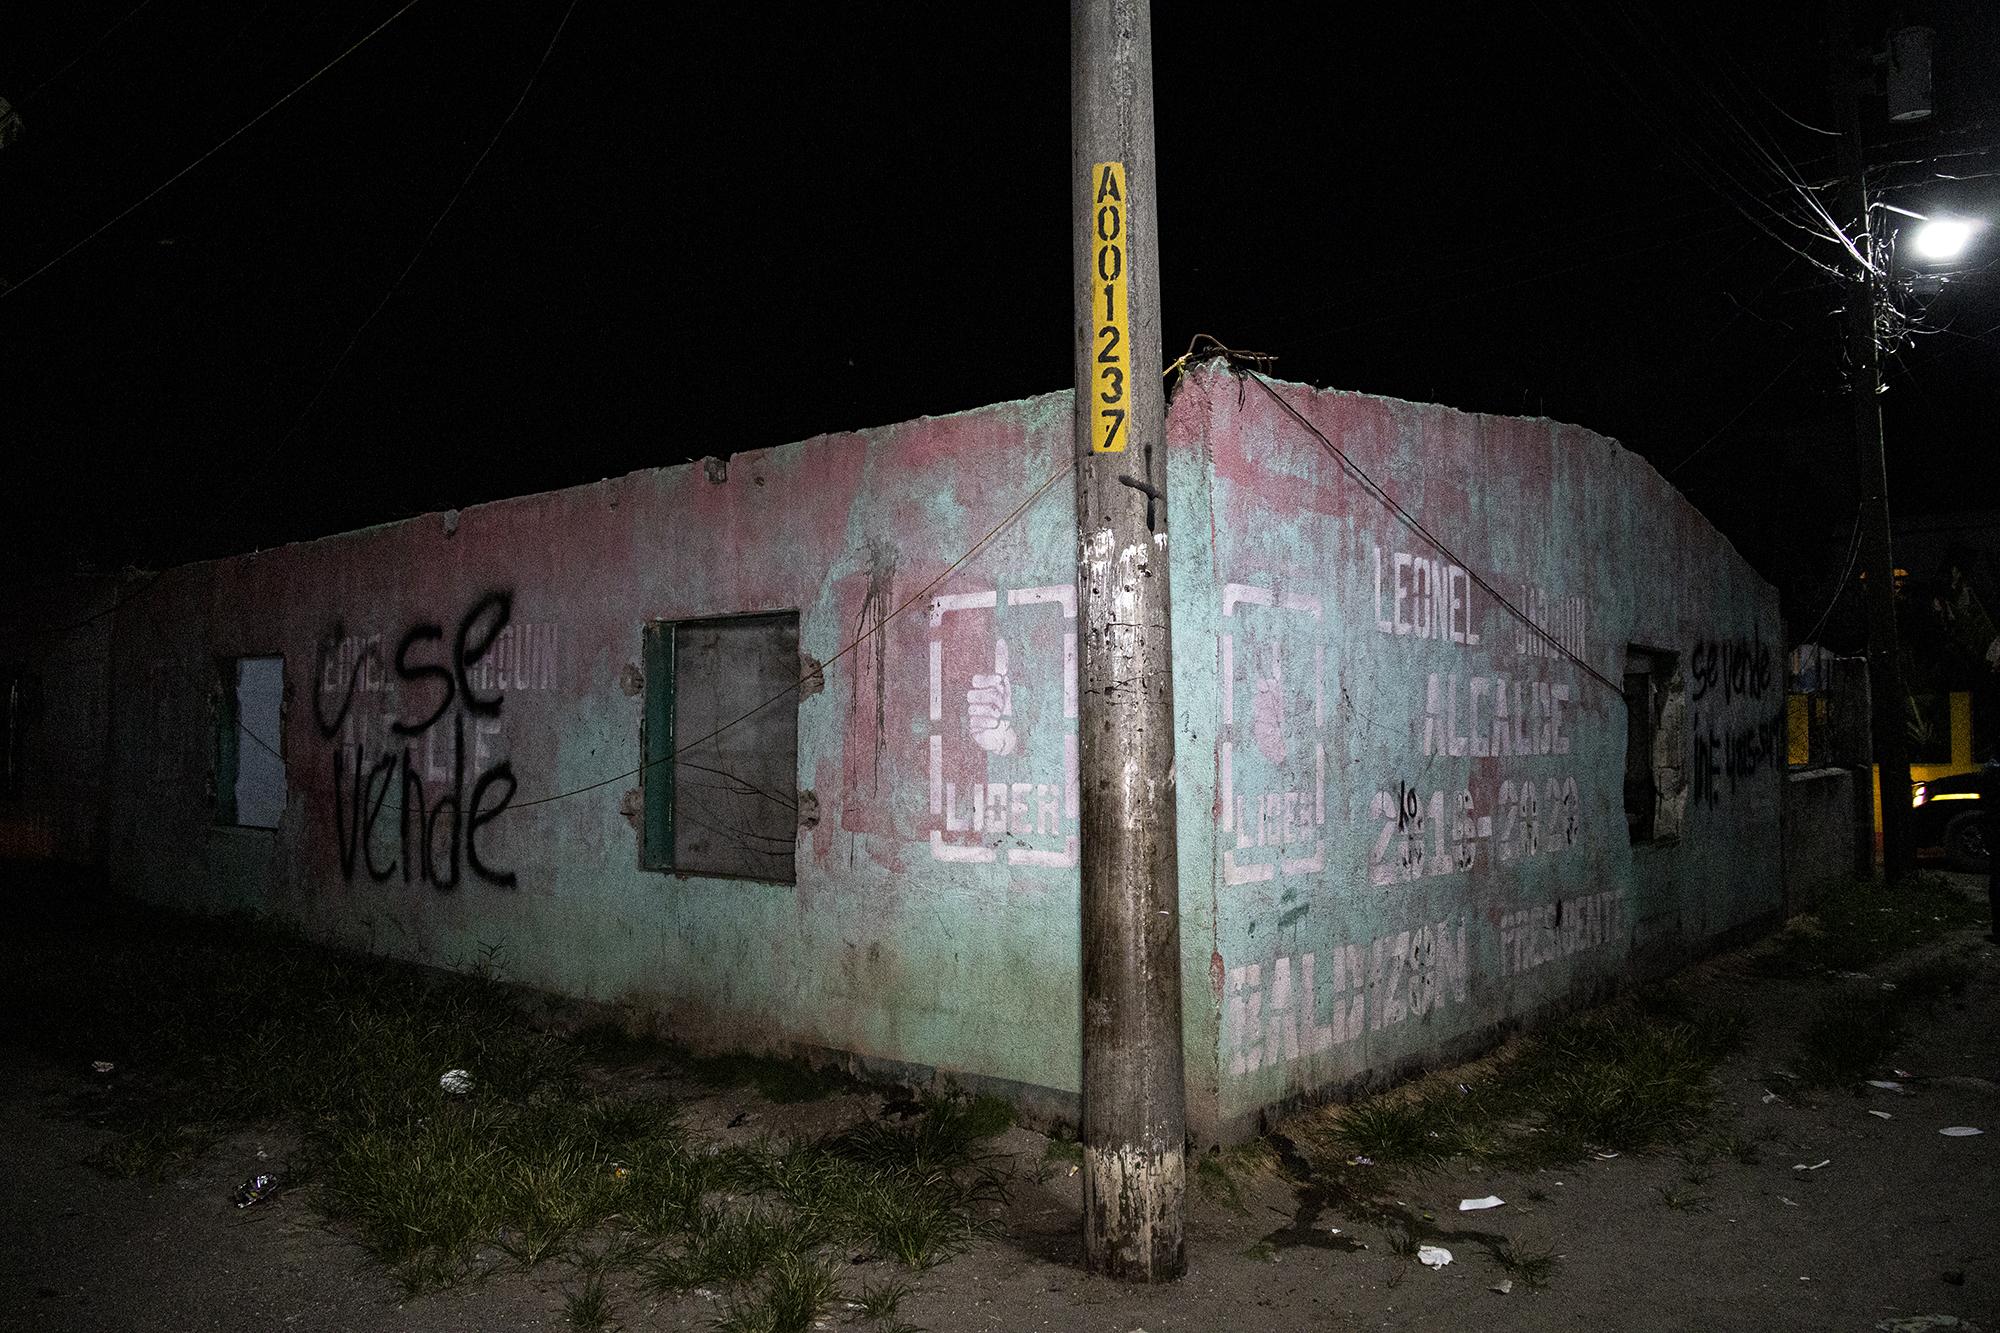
(721, 228)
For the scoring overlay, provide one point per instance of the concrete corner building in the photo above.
(739, 746)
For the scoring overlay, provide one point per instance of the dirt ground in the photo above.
(1900, 1221)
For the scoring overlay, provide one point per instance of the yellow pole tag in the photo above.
(1111, 339)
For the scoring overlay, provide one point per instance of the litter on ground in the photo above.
(1474, 1205)
(1433, 1256)
(1960, 1131)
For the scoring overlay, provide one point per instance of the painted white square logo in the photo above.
(994, 728)
(1273, 763)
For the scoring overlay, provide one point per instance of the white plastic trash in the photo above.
(1960, 1132)
(456, 1081)
(1474, 1205)
(1433, 1256)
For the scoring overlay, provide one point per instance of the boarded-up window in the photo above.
(249, 760)
(722, 746)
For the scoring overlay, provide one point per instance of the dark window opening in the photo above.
(249, 738)
(722, 747)
(1641, 796)
(1655, 785)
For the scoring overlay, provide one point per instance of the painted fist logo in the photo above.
(989, 703)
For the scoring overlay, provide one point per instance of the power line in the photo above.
(1840, 585)
(130, 14)
(856, 642)
(1698, 160)
(1416, 525)
(1755, 398)
(789, 690)
(233, 136)
(436, 222)
(1446, 302)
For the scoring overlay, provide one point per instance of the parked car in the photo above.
(1950, 813)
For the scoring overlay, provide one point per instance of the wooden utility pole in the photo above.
(1887, 695)
(1134, 1098)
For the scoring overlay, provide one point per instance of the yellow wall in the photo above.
(1961, 754)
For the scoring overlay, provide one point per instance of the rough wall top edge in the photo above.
(1053, 400)
(1621, 450)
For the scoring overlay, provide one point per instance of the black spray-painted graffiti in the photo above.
(1740, 667)
(431, 833)
(1723, 758)
(1728, 749)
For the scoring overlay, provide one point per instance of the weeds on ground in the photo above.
(1636, 1073)
(1856, 1031)
(1684, 1198)
(879, 1300)
(216, 1029)
(588, 1307)
(1529, 1261)
(1861, 923)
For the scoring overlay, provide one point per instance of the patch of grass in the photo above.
(722, 1248)
(1622, 1077)
(152, 1147)
(1684, 1198)
(1529, 1261)
(1864, 922)
(1217, 1182)
(879, 1300)
(1221, 1176)
(1634, 1074)
(587, 1306)
(214, 1028)
(799, 1287)
(1855, 1032)
(987, 1116)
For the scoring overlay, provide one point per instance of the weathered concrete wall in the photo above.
(1374, 868)
(55, 683)
(1823, 839)
(1420, 829)
(934, 921)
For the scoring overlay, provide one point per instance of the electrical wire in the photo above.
(232, 137)
(820, 674)
(1698, 160)
(1406, 312)
(785, 693)
(102, 37)
(1840, 585)
(1416, 525)
(436, 222)
(1755, 398)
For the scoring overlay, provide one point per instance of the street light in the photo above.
(1943, 238)
(1940, 239)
